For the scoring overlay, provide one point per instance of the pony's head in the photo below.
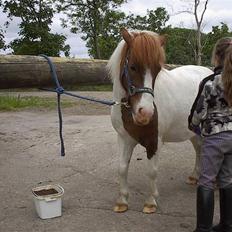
(142, 58)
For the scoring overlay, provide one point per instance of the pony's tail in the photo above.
(227, 75)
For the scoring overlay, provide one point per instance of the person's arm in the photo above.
(200, 111)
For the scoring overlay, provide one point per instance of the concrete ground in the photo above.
(30, 156)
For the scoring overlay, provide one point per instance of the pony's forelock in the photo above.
(147, 50)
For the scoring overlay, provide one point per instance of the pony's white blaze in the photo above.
(144, 110)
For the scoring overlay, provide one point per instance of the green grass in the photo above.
(13, 103)
(82, 87)
(92, 88)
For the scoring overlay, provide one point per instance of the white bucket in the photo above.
(47, 201)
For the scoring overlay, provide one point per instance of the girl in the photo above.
(211, 115)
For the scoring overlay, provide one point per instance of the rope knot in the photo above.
(60, 90)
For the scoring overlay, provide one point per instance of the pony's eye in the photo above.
(133, 68)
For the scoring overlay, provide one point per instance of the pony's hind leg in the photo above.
(126, 146)
(193, 178)
(150, 205)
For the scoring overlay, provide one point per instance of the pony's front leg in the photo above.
(126, 146)
(150, 205)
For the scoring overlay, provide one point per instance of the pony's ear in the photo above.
(126, 36)
(163, 39)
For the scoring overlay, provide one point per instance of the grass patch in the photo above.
(13, 103)
(82, 87)
(98, 88)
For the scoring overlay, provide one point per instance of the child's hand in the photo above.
(195, 129)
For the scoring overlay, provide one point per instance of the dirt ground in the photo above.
(30, 156)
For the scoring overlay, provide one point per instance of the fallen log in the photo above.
(34, 71)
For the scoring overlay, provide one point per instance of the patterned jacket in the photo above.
(210, 110)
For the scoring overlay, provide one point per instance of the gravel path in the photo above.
(30, 156)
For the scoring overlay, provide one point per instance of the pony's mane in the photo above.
(146, 50)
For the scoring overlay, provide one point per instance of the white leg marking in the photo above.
(152, 175)
(150, 205)
(126, 148)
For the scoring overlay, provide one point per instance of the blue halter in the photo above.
(132, 90)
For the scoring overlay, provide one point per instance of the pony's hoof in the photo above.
(148, 209)
(191, 180)
(120, 208)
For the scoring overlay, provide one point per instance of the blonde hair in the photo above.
(222, 56)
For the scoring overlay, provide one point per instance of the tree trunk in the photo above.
(199, 20)
(199, 47)
(96, 45)
(34, 71)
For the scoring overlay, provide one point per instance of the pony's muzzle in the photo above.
(143, 116)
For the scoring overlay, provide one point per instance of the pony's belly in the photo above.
(177, 131)
(177, 135)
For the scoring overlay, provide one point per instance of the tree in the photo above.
(35, 36)
(199, 20)
(178, 47)
(111, 36)
(154, 20)
(157, 19)
(198, 9)
(94, 19)
(50, 44)
(136, 22)
(2, 42)
(212, 37)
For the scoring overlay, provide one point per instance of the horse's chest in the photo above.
(146, 135)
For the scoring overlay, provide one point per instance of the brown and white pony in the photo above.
(155, 104)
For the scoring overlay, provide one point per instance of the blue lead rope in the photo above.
(60, 90)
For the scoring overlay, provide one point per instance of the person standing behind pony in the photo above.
(211, 115)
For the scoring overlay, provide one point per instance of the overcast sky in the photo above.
(217, 11)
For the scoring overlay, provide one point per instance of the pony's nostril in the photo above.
(144, 113)
(140, 110)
